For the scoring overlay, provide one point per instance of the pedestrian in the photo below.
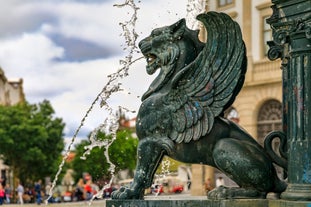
(8, 193)
(38, 192)
(88, 190)
(20, 192)
(47, 190)
(79, 192)
(208, 185)
(1, 194)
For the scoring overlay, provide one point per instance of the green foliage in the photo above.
(95, 163)
(168, 165)
(31, 139)
(122, 153)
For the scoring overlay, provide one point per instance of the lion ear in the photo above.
(178, 28)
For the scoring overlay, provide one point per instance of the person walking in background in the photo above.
(38, 192)
(47, 190)
(1, 194)
(208, 185)
(20, 192)
(88, 190)
(79, 192)
(8, 193)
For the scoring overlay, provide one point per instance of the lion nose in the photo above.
(140, 43)
(144, 46)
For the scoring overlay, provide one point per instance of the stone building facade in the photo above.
(11, 92)
(258, 106)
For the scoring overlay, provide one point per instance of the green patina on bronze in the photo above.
(181, 115)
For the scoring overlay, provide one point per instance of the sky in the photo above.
(65, 49)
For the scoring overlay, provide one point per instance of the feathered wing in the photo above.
(205, 88)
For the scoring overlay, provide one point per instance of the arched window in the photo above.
(269, 119)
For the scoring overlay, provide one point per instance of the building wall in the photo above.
(11, 91)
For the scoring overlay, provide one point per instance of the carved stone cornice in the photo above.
(286, 21)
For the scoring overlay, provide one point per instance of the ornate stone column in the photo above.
(291, 27)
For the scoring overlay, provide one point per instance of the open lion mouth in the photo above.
(152, 63)
(151, 58)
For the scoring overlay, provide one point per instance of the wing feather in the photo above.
(181, 137)
(203, 89)
(197, 130)
(179, 123)
(189, 115)
(189, 135)
(173, 135)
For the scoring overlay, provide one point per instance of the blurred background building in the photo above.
(258, 106)
(11, 92)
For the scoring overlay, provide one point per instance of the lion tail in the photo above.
(279, 158)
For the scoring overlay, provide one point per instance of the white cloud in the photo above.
(91, 22)
(30, 52)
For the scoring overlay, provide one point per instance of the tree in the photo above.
(31, 140)
(122, 153)
(168, 165)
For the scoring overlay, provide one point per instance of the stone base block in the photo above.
(285, 203)
(188, 203)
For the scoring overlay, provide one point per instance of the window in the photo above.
(223, 3)
(265, 32)
(270, 119)
(267, 35)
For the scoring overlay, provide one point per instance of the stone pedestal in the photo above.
(188, 202)
(285, 203)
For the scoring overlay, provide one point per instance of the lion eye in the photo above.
(156, 32)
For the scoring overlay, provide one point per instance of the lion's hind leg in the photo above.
(248, 165)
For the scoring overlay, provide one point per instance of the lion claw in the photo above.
(223, 192)
(124, 193)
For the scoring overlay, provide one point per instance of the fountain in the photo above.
(181, 115)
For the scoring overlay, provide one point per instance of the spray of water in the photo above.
(113, 85)
(165, 171)
(194, 7)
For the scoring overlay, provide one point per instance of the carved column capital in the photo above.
(285, 24)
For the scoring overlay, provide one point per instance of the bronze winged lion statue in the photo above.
(181, 112)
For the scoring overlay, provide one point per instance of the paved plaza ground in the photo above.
(102, 203)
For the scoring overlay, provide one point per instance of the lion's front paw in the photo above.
(125, 193)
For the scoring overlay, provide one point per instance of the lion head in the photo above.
(169, 48)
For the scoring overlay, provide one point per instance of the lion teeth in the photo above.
(150, 59)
